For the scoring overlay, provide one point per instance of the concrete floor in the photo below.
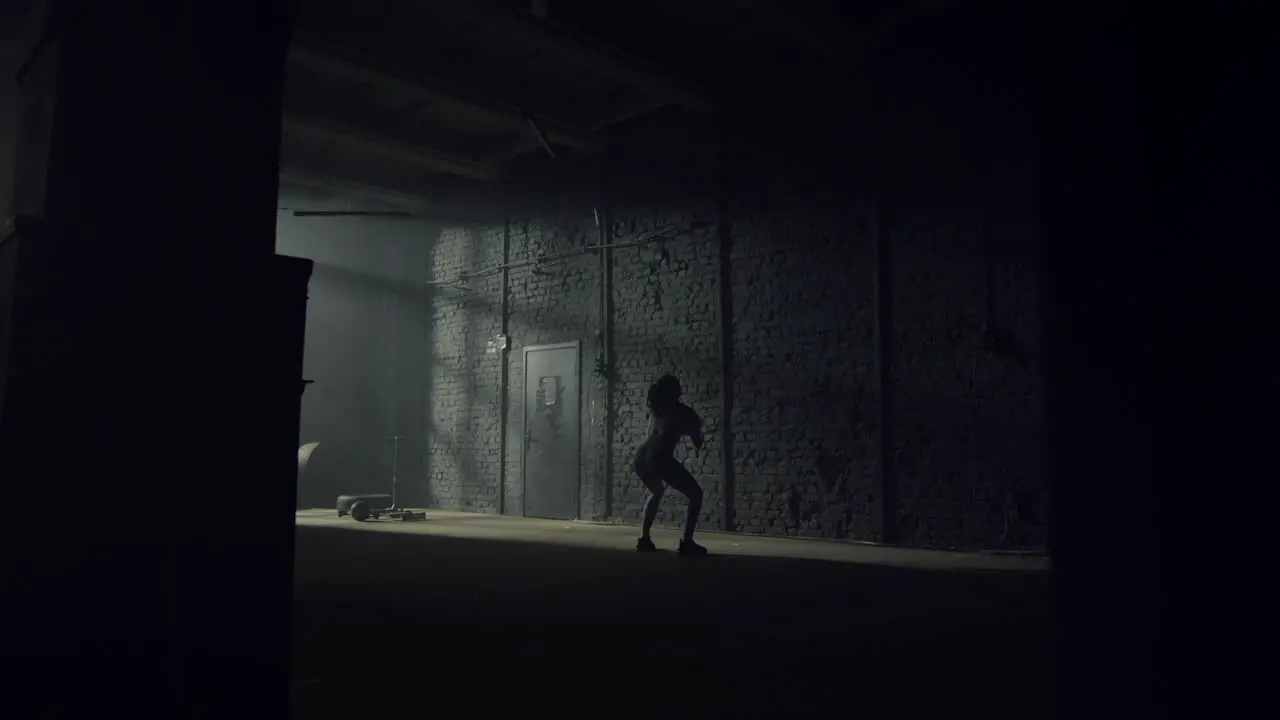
(501, 614)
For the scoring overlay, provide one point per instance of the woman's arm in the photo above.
(695, 427)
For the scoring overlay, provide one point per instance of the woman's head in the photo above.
(664, 392)
(670, 386)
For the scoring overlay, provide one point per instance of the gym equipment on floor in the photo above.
(362, 507)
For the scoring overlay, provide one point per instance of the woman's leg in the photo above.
(678, 477)
(653, 481)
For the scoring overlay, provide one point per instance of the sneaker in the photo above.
(689, 547)
(645, 544)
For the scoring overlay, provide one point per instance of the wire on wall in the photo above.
(666, 234)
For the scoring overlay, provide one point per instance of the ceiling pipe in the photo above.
(352, 213)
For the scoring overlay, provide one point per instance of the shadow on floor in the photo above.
(399, 622)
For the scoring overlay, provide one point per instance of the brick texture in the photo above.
(463, 406)
(805, 405)
(966, 420)
(665, 298)
(553, 302)
(961, 354)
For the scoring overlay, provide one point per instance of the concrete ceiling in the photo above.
(411, 97)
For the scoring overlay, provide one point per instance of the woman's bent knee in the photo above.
(692, 491)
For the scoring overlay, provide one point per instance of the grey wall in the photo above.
(364, 347)
(965, 419)
(968, 421)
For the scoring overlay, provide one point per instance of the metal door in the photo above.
(551, 431)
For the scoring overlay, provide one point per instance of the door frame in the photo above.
(576, 346)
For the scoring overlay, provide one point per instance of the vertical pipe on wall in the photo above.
(424, 389)
(985, 182)
(391, 330)
(884, 363)
(504, 371)
(605, 226)
(728, 479)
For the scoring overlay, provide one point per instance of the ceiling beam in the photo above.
(335, 61)
(330, 133)
(590, 54)
(604, 122)
(629, 112)
(418, 205)
(292, 177)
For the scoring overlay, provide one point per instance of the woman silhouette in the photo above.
(657, 466)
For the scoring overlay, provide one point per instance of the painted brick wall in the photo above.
(968, 420)
(553, 298)
(663, 180)
(805, 391)
(463, 378)
(553, 302)
(965, 417)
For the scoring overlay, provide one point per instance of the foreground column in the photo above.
(145, 418)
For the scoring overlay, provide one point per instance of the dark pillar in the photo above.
(1161, 363)
(141, 557)
(1101, 367)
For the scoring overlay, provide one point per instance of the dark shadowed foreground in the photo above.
(565, 619)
